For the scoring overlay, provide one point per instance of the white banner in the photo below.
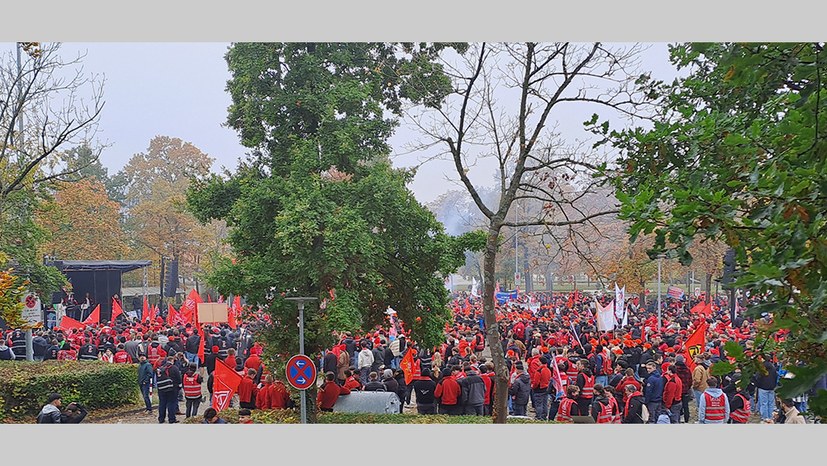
(605, 316)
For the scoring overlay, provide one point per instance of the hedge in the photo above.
(290, 416)
(24, 386)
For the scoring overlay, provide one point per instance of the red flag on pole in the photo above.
(695, 345)
(150, 315)
(68, 323)
(407, 366)
(190, 306)
(225, 383)
(116, 309)
(172, 315)
(145, 309)
(94, 317)
(200, 331)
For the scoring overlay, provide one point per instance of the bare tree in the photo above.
(507, 100)
(47, 107)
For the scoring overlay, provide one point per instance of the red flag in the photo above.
(145, 309)
(94, 317)
(116, 309)
(200, 331)
(695, 345)
(702, 308)
(234, 313)
(407, 366)
(68, 323)
(172, 316)
(225, 383)
(190, 306)
(150, 314)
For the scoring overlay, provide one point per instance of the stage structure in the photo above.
(101, 279)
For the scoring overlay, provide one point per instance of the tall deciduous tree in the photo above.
(740, 156)
(155, 195)
(317, 210)
(42, 117)
(507, 99)
(83, 223)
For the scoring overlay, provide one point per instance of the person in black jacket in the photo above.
(191, 348)
(168, 382)
(633, 410)
(766, 388)
(88, 352)
(520, 390)
(374, 385)
(403, 392)
(424, 389)
(473, 391)
(74, 414)
(330, 362)
(391, 385)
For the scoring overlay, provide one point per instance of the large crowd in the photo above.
(558, 363)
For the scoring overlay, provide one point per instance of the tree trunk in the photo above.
(643, 293)
(708, 287)
(529, 284)
(492, 330)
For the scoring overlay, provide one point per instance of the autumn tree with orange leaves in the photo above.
(83, 223)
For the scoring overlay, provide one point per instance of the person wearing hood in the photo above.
(714, 406)
(473, 391)
(50, 414)
(601, 409)
(653, 391)
(633, 409)
(520, 390)
(391, 385)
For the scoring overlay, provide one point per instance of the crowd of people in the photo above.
(558, 362)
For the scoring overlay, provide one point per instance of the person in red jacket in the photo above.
(253, 362)
(329, 393)
(487, 374)
(121, 356)
(540, 384)
(673, 394)
(448, 393)
(247, 390)
(352, 381)
(628, 379)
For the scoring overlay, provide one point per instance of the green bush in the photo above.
(24, 386)
(289, 416)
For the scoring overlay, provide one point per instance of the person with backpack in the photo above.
(168, 380)
(635, 411)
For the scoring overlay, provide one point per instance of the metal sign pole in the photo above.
(302, 394)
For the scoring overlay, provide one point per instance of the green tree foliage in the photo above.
(317, 206)
(739, 155)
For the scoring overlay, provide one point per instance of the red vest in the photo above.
(572, 371)
(605, 415)
(715, 407)
(741, 415)
(564, 412)
(121, 357)
(588, 388)
(192, 389)
(153, 355)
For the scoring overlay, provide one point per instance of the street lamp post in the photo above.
(660, 259)
(300, 303)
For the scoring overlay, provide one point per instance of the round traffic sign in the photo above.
(301, 372)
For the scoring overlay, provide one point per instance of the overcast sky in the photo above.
(178, 90)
